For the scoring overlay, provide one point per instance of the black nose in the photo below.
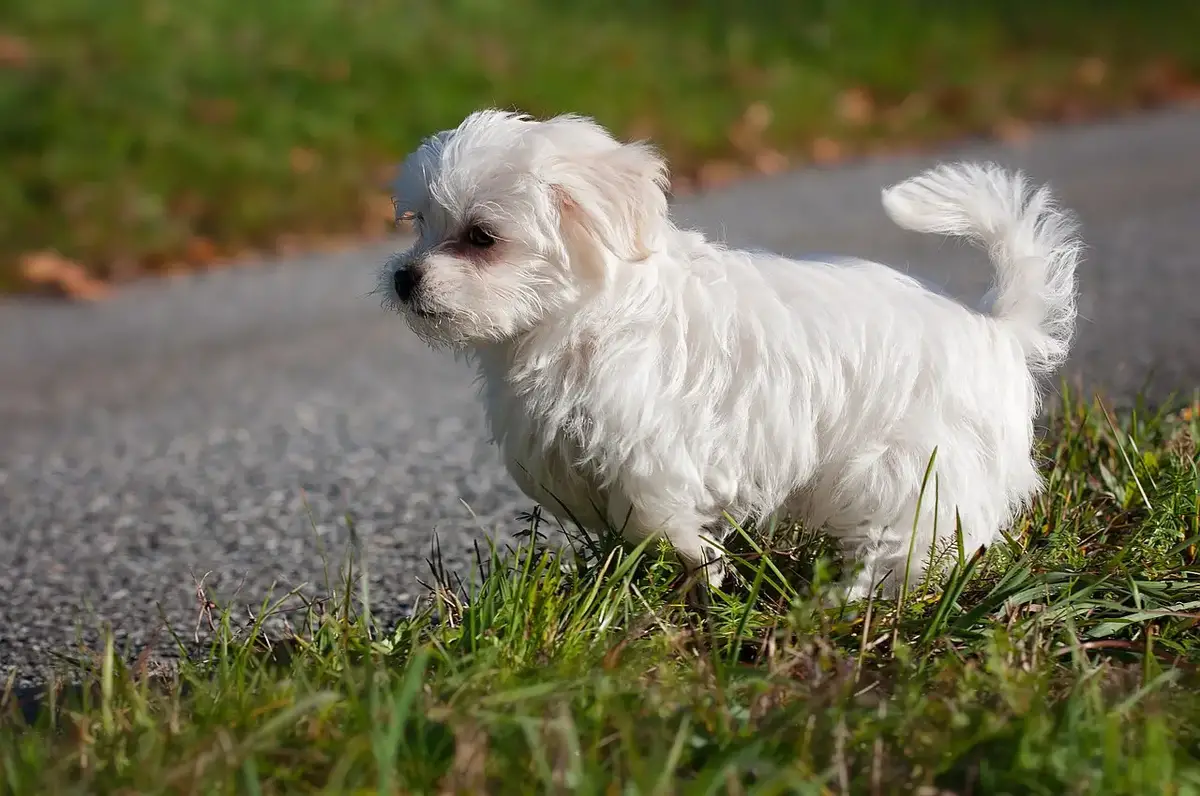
(406, 282)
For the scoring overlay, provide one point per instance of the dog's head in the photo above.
(516, 219)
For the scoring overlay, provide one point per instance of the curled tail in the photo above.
(1031, 242)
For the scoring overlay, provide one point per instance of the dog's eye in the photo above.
(480, 237)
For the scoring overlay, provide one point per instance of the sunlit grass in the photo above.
(147, 134)
(1061, 662)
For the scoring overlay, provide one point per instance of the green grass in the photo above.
(1062, 662)
(142, 134)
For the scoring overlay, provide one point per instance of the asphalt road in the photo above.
(230, 422)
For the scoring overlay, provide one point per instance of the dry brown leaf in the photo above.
(200, 251)
(770, 161)
(494, 54)
(642, 128)
(757, 117)
(746, 133)
(717, 174)
(826, 150)
(214, 111)
(334, 242)
(175, 268)
(468, 771)
(952, 101)
(1164, 81)
(1092, 71)
(52, 270)
(1073, 111)
(15, 52)
(1182, 444)
(338, 71)
(303, 160)
(909, 110)
(855, 106)
(289, 244)
(1043, 101)
(127, 266)
(1013, 131)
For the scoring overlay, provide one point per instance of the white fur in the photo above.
(639, 376)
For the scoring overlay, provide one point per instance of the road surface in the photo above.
(229, 422)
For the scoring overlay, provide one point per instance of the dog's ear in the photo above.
(613, 199)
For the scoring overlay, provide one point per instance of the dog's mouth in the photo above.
(437, 329)
(425, 319)
(426, 314)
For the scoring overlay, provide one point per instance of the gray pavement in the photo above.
(230, 422)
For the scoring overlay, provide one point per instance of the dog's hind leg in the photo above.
(888, 555)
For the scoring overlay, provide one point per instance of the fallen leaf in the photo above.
(912, 108)
(1189, 96)
(952, 101)
(717, 173)
(1013, 131)
(826, 150)
(200, 251)
(51, 269)
(123, 268)
(15, 52)
(1161, 80)
(214, 111)
(746, 133)
(338, 71)
(289, 244)
(303, 160)
(855, 106)
(1073, 111)
(770, 161)
(1092, 71)
(757, 117)
(468, 770)
(642, 128)
(175, 268)
(494, 55)
(1043, 100)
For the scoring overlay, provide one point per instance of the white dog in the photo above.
(640, 377)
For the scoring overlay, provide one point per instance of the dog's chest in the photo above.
(545, 458)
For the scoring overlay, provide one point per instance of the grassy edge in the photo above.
(742, 95)
(1061, 660)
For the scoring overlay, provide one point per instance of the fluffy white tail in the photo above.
(1031, 242)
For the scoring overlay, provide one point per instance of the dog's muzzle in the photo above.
(406, 281)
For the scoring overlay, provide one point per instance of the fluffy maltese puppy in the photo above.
(638, 376)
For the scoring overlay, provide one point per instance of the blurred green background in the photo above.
(144, 135)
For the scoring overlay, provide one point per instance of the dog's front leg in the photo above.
(689, 530)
